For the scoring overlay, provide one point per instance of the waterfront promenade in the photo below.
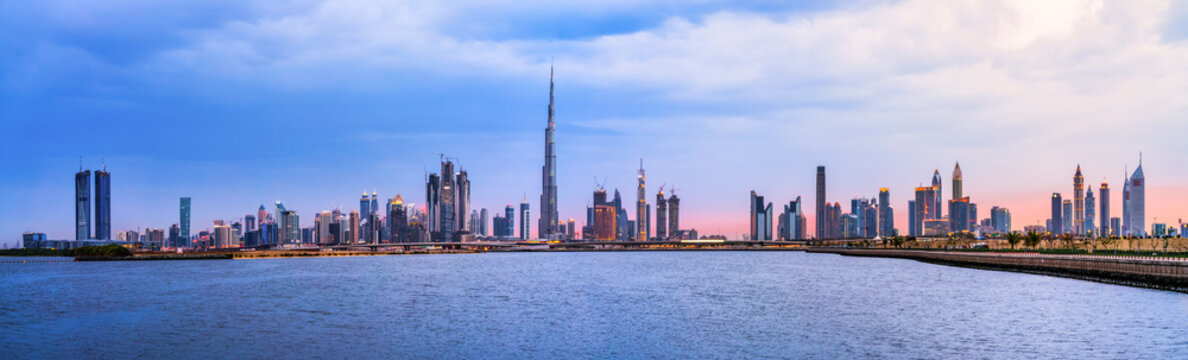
(1151, 272)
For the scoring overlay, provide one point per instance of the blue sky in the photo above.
(309, 102)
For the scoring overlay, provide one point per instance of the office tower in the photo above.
(605, 217)
(432, 208)
(290, 228)
(937, 196)
(175, 237)
(448, 203)
(1116, 226)
(870, 219)
(352, 236)
(509, 215)
(1057, 225)
(792, 227)
(1090, 212)
(973, 216)
(499, 226)
(322, 228)
(858, 209)
(761, 217)
(482, 230)
(1067, 217)
(886, 225)
(571, 227)
(282, 228)
(1125, 230)
(1104, 213)
(103, 204)
(959, 215)
(364, 205)
(674, 216)
(463, 200)
(249, 222)
(1138, 201)
(548, 184)
(1000, 220)
(525, 231)
(261, 215)
(643, 222)
(1078, 212)
(82, 204)
(661, 215)
(621, 231)
(957, 181)
(924, 207)
(375, 209)
(398, 220)
(833, 221)
(184, 219)
(820, 210)
(913, 223)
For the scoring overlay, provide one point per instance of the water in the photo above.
(575, 305)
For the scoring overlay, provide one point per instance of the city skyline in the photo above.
(163, 141)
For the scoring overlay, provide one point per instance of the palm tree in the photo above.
(1032, 239)
(1013, 238)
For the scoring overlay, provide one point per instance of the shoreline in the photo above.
(1150, 273)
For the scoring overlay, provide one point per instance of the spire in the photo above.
(104, 162)
(957, 171)
(1078, 170)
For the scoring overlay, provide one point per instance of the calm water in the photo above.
(575, 305)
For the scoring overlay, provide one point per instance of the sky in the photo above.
(238, 103)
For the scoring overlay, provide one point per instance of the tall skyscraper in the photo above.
(183, 220)
(642, 220)
(959, 212)
(432, 208)
(913, 223)
(957, 182)
(1090, 213)
(353, 227)
(792, 221)
(1104, 213)
(448, 202)
(103, 204)
(398, 220)
(1138, 201)
(674, 216)
(525, 231)
(463, 184)
(886, 216)
(509, 216)
(924, 207)
(482, 227)
(761, 217)
(82, 204)
(1067, 226)
(661, 215)
(820, 216)
(548, 191)
(937, 196)
(1078, 215)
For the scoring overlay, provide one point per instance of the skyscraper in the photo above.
(482, 227)
(1090, 213)
(605, 217)
(924, 207)
(792, 221)
(1138, 201)
(447, 204)
(463, 200)
(761, 217)
(661, 215)
(937, 196)
(1126, 213)
(548, 191)
(432, 208)
(82, 204)
(525, 231)
(674, 216)
(957, 181)
(886, 222)
(183, 220)
(1067, 217)
(103, 204)
(913, 223)
(398, 221)
(642, 220)
(1078, 212)
(1104, 214)
(820, 210)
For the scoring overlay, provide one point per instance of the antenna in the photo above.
(80, 163)
(104, 162)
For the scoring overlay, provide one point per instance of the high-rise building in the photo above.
(432, 208)
(184, 219)
(509, 215)
(1057, 225)
(761, 217)
(957, 178)
(643, 221)
(674, 216)
(924, 207)
(1090, 226)
(661, 215)
(605, 217)
(1115, 226)
(548, 184)
(1104, 214)
(1138, 201)
(398, 220)
(482, 227)
(103, 204)
(525, 231)
(1067, 216)
(959, 215)
(913, 222)
(570, 227)
(352, 236)
(82, 204)
(463, 200)
(792, 221)
(290, 228)
(820, 210)
(1078, 210)
(1126, 214)
(937, 196)
(886, 214)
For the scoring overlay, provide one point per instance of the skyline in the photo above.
(232, 154)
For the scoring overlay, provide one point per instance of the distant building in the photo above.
(1115, 226)
(820, 210)
(913, 222)
(605, 217)
(936, 227)
(1000, 220)
(674, 213)
(959, 213)
(1090, 225)
(642, 213)
(82, 204)
(1138, 201)
(1078, 204)
(661, 216)
(102, 204)
(792, 221)
(184, 219)
(525, 216)
(1104, 214)
(761, 218)
(1057, 225)
(1067, 227)
(937, 197)
(886, 214)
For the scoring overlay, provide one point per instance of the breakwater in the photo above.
(1149, 272)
